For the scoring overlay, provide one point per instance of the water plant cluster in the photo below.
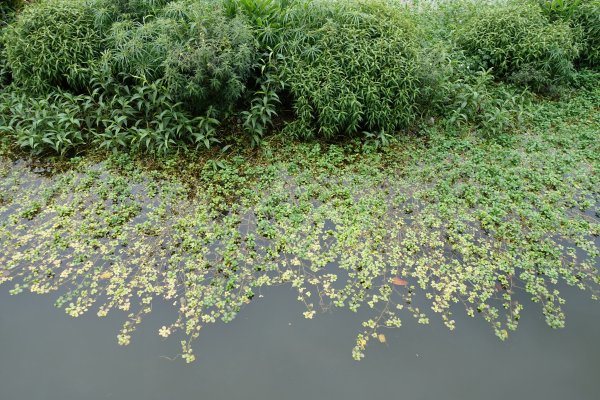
(411, 159)
(449, 223)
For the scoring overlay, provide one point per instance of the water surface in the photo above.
(271, 352)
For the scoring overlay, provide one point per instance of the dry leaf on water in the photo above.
(399, 281)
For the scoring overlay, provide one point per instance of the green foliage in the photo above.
(559, 9)
(518, 43)
(202, 57)
(107, 12)
(139, 9)
(146, 119)
(155, 75)
(266, 16)
(420, 229)
(8, 9)
(138, 51)
(584, 17)
(260, 116)
(350, 67)
(586, 20)
(182, 59)
(493, 110)
(51, 123)
(52, 43)
(140, 119)
(212, 67)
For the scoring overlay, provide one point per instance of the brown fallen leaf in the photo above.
(381, 337)
(399, 281)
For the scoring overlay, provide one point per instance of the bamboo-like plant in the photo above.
(351, 67)
(519, 44)
(52, 44)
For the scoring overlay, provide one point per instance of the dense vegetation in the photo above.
(422, 228)
(399, 157)
(159, 76)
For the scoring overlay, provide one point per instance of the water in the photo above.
(271, 352)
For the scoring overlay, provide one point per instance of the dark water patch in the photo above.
(272, 352)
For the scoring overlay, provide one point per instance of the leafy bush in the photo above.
(212, 67)
(156, 74)
(202, 57)
(266, 16)
(141, 119)
(260, 116)
(559, 9)
(9, 7)
(139, 9)
(586, 19)
(52, 43)
(493, 110)
(50, 123)
(519, 44)
(7, 14)
(107, 12)
(146, 119)
(138, 52)
(350, 67)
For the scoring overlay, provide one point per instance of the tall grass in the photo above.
(584, 17)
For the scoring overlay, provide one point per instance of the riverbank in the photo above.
(459, 220)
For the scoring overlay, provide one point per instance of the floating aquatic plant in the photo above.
(417, 228)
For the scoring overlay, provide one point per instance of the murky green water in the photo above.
(271, 352)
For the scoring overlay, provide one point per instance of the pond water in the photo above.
(271, 352)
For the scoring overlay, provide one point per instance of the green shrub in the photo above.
(8, 8)
(586, 19)
(202, 57)
(139, 51)
(141, 119)
(146, 119)
(53, 123)
(4, 72)
(519, 44)
(559, 9)
(492, 109)
(7, 14)
(52, 43)
(211, 68)
(266, 17)
(139, 91)
(139, 9)
(107, 12)
(350, 67)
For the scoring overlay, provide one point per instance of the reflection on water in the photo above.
(271, 352)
